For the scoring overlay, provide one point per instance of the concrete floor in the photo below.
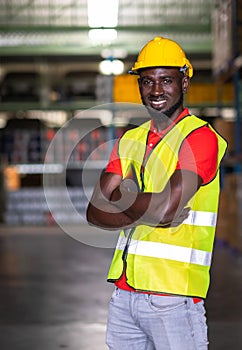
(54, 294)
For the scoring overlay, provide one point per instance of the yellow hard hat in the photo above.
(162, 52)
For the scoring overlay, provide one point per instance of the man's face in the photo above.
(162, 90)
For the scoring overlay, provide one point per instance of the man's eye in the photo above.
(147, 82)
(167, 81)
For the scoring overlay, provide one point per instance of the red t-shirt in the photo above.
(201, 143)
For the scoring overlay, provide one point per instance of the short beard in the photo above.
(157, 115)
(172, 110)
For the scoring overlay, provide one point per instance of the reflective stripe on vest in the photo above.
(201, 218)
(166, 251)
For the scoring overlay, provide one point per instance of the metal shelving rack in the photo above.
(227, 66)
(227, 60)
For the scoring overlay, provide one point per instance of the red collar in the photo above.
(180, 116)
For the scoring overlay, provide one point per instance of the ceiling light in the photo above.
(102, 36)
(103, 13)
(109, 67)
(117, 67)
(114, 52)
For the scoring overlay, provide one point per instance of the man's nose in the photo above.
(157, 88)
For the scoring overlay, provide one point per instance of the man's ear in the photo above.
(185, 84)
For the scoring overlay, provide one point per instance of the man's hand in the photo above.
(129, 184)
(178, 220)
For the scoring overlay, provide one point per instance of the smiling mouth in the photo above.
(157, 104)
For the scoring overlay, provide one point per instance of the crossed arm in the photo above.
(115, 205)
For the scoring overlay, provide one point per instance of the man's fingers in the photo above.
(182, 216)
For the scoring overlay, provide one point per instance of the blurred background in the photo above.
(65, 96)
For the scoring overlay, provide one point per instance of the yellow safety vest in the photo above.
(167, 260)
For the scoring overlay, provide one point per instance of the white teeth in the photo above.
(158, 102)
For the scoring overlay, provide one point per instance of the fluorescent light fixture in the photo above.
(118, 67)
(114, 52)
(102, 36)
(103, 13)
(109, 67)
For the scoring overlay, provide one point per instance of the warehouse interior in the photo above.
(65, 97)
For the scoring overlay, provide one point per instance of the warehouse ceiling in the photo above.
(51, 27)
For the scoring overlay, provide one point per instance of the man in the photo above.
(161, 187)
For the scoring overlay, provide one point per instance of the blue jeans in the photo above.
(138, 321)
